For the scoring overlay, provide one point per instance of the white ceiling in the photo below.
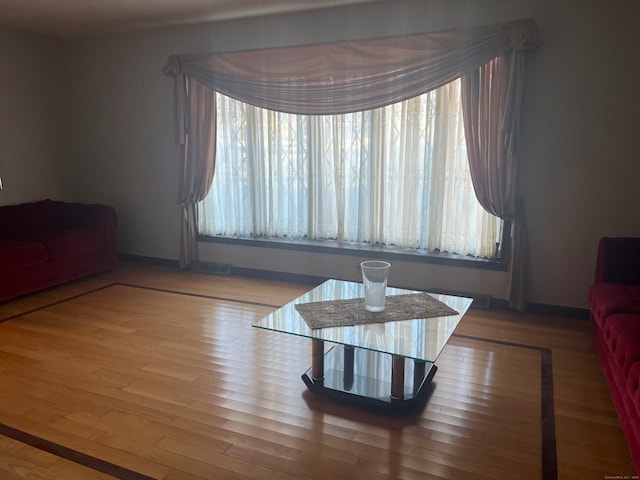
(78, 18)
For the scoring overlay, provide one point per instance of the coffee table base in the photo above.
(363, 377)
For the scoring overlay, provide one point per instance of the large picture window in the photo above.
(396, 176)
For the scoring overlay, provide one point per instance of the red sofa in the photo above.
(614, 301)
(49, 242)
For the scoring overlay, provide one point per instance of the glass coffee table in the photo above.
(366, 365)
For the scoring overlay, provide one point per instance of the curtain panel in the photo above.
(491, 105)
(344, 77)
(197, 162)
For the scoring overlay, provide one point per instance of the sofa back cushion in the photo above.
(30, 220)
(74, 216)
(618, 260)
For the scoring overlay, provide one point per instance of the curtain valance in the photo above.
(351, 76)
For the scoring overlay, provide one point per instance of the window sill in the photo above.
(363, 250)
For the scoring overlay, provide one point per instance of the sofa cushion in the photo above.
(606, 299)
(633, 392)
(622, 332)
(16, 255)
(72, 242)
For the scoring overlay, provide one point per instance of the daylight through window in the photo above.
(395, 176)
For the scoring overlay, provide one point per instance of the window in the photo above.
(396, 176)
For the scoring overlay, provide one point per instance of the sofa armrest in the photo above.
(108, 223)
(618, 260)
(86, 216)
(72, 216)
(107, 218)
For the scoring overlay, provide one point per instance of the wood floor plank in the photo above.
(22, 461)
(160, 372)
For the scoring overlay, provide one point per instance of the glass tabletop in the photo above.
(418, 339)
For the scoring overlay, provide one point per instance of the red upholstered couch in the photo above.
(49, 242)
(614, 301)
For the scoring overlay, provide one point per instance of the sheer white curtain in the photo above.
(396, 176)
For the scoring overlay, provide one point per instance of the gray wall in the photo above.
(32, 116)
(580, 160)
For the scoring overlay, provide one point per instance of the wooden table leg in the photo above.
(397, 377)
(347, 381)
(419, 370)
(317, 359)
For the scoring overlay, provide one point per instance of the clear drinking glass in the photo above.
(374, 279)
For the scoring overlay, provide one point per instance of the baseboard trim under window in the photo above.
(558, 311)
(483, 302)
(160, 262)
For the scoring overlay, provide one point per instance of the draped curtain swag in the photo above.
(345, 77)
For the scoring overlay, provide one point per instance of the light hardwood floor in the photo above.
(150, 372)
